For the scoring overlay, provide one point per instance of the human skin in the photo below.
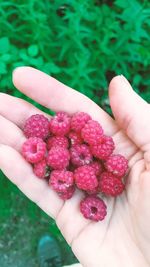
(123, 238)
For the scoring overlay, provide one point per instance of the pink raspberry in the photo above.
(95, 191)
(60, 124)
(85, 178)
(41, 169)
(93, 208)
(80, 155)
(97, 166)
(104, 148)
(92, 132)
(36, 126)
(75, 138)
(68, 194)
(57, 141)
(110, 184)
(117, 164)
(58, 158)
(34, 149)
(61, 181)
(79, 120)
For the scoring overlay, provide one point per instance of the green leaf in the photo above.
(5, 57)
(23, 55)
(33, 50)
(3, 69)
(4, 45)
(51, 68)
(36, 62)
(137, 79)
(18, 64)
(121, 3)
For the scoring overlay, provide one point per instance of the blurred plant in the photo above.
(82, 43)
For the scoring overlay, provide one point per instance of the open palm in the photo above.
(123, 238)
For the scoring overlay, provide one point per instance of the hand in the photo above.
(123, 238)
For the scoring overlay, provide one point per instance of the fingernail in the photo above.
(123, 78)
(16, 69)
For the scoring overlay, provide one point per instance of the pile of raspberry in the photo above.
(73, 153)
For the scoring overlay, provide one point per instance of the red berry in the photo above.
(110, 184)
(104, 148)
(75, 138)
(61, 181)
(57, 141)
(79, 120)
(34, 149)
(60, 124)
(92, 132)
(68, 194)
(97, 166)
(85, 178)
(117, 164)
(36, 126)
(80, 155)
(58, 158)
(93, 208)
(41, 169)
(95, 191)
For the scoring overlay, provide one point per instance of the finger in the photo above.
(17, 110)
(54, 95)
(10, 134)
(20, 173)
(131, 112)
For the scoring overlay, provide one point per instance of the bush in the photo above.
(82, 43)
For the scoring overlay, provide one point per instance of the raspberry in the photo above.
(68, 194)
(58, 157)
(80, 155)
(97, 166)
(110, 184)
(57, 141)
(95, 191)
(85, 178)
(79, 120)
(60, 124)
(93, 208)
(75, 138)
(36, 126)
(72, 152)
(34, 149)
(92, 132)
(104, 148)
(117, 164)
(40, 169)
(61, 181)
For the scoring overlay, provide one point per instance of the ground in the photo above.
(22, 223)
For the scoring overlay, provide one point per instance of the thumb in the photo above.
(131, 112)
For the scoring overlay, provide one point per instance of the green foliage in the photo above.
(82, 43)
